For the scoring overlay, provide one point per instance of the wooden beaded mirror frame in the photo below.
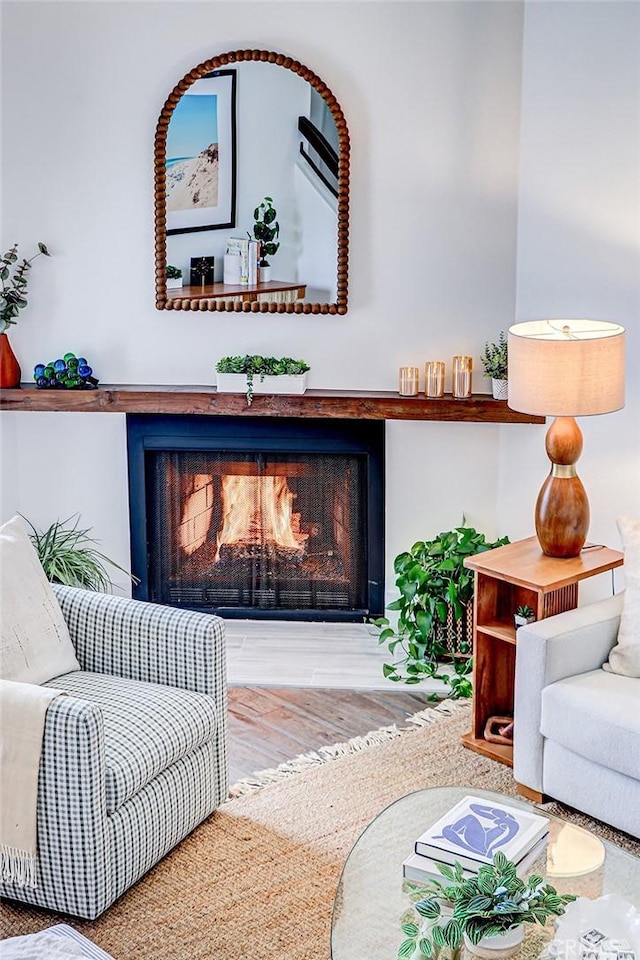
(231, 299)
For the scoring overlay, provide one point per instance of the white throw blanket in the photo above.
(22, 714)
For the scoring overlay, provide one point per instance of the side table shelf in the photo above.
(506, 578)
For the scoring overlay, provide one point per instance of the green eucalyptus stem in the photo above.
(13, 298)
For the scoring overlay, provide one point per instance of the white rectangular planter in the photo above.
(285, 383)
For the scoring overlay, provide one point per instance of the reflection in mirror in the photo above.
(238, 129)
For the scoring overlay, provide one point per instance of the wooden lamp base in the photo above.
(562, 508)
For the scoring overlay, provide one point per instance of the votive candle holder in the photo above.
(408, 381)
(434, 378)
(461, 377)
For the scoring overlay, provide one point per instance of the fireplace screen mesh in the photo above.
(257, 532)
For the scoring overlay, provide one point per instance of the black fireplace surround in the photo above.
(260, 517)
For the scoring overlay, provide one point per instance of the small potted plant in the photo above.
(495, 361)
(256, 374)
(174, 277)
(266, 230)
(486, 912)
(524, 614)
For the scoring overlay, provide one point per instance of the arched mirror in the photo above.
(252, 189)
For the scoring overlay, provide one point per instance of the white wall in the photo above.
(431, 93)
(579, 236)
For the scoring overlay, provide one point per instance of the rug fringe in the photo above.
(306, 761)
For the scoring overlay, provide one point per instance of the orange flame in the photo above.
(258, 510)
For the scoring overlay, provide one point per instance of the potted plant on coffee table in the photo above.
(487, 912)
(495, 361)
(257, 374)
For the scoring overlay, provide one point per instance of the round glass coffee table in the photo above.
(372, 896)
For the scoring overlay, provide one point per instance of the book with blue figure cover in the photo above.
(476, 828)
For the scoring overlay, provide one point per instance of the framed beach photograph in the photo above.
(201, 156)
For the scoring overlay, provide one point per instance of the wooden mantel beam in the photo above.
(334, 404)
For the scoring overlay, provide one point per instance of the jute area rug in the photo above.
(257, 879)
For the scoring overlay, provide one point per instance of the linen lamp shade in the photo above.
(565, 369)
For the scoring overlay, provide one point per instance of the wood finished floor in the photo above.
(268, 725)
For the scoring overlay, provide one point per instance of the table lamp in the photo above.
(565, 369)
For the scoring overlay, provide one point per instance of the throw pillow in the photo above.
(35, 645)
(624, 658)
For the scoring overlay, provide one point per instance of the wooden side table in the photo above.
(506, 578)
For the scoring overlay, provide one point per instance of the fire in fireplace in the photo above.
(274, 518)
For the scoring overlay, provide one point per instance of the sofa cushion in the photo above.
(624, 657)
(596, 715)
(35, 644)
(147, 727)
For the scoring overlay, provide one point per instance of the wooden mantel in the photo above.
(346, 404)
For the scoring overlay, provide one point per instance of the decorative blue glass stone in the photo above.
(82, 362)
(85, 371)
(38, 370)
(59, 365)
(42, 381)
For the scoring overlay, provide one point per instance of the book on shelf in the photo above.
(240, 246)
(476, 828)
(420, 869)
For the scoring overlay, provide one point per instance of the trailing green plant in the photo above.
(253, 366)
(173, 273)
(14, 279)
(435, 589)
(266, 229)
(492, 902)
(67, 555)
(495, 358)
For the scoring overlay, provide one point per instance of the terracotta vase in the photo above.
(9, 366)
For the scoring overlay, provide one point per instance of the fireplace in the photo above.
(261, 517)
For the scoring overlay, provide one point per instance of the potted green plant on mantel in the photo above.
(496, 366)
(13, 299)
(266, 229)
(434, 609)
(257, 374)
(487, 912)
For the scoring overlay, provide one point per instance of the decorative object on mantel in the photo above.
(68, 372)
(434, 379)
(496, 366)
(489, 911)
(174, 277)
(256, 374)
(461, 377)
(408, 381)
(266, 230)
(12, 300)
(565, 369)
(434, 609)
(68, 556)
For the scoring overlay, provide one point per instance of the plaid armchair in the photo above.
(135, 757)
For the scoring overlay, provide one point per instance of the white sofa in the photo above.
(577, 726)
